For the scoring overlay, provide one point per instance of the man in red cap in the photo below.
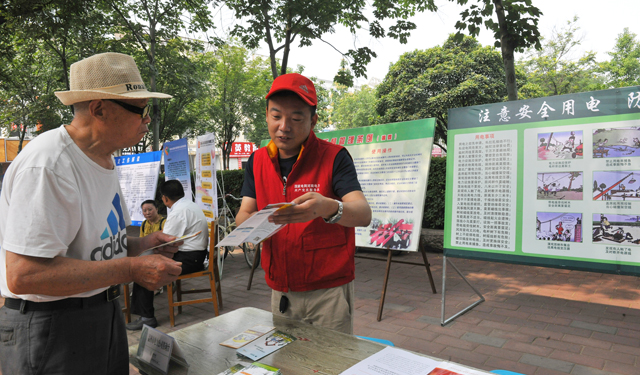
(309, 263)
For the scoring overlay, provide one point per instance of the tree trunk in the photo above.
(287, 48)
(23, 132)
(506, 47)
(272, 51)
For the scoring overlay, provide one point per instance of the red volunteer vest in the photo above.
(303, 256)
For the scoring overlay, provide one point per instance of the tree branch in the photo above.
(133, 31)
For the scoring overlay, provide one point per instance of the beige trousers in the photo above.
(330, 308)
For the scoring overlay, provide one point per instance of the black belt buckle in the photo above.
(113, 292)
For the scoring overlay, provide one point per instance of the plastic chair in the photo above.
(380, 341)
(214, 282)
(505, 372)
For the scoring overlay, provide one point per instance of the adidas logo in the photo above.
(304, 87)
(117, 242)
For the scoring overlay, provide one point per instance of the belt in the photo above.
(68, 303)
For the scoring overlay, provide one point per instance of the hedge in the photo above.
(434, 203)
(433, 208)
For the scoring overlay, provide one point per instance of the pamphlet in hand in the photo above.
(266, 345)
(256, 228)
(181, 238)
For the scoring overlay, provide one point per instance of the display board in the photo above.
(11, 148)
(550, 181)
(177, 166)
(392, 162)
(206, 194)
(138, 175)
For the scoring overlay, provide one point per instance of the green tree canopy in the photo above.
(151, 23)
(354, 109)
(426, 83)
(39, 40)
(238, 83)
(516, 29)
(281, 23)
(553, 69)
(624, 67)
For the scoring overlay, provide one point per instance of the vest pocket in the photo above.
(325, 256)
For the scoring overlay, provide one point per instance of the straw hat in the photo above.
(106, 76)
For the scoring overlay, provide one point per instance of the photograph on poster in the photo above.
(557, 226)
(621, 229)
(560, 145)
(616, 185)
(560, 185)
(395, 234)
(616, 142)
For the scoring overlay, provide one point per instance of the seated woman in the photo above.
(153, 222)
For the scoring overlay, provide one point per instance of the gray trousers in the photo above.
(72, 341)
(331, 308)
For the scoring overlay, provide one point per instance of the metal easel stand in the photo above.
(388, 269)
(444, 322)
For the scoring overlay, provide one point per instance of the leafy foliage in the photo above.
(148, 24)
(516, 29)
(427, 83)
(354, 109)
(624, 67)
(39, 40)
(280, 23)
(235, 100)
(434, 203)
(554, 71)
(27, 94)
(231, 181)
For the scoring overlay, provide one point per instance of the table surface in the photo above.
(317, 351)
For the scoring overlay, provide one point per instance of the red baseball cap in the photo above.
(297, 83)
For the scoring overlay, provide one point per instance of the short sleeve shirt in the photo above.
(56, 201)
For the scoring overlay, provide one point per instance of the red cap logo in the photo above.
(297, 83)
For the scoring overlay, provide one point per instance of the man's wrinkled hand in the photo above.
(158, 238)
(154, 271)
(308, 207)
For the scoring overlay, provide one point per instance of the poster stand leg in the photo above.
(253, 267)
(384, 287)
(428, 266)
(444, 322)
(386, 274)
(216, 278)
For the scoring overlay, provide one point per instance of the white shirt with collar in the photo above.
(187, 218)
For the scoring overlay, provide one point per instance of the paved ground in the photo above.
(536, 321)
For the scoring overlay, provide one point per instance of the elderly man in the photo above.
(63, 219)
(185, 218)
(309, 264)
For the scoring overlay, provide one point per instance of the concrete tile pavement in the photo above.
(535, 320)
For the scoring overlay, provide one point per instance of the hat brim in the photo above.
(71, 97)
(297, 92)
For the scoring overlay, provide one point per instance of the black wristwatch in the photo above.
(335, 218)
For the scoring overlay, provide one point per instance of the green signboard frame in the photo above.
(536, 142)
(392, 162)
